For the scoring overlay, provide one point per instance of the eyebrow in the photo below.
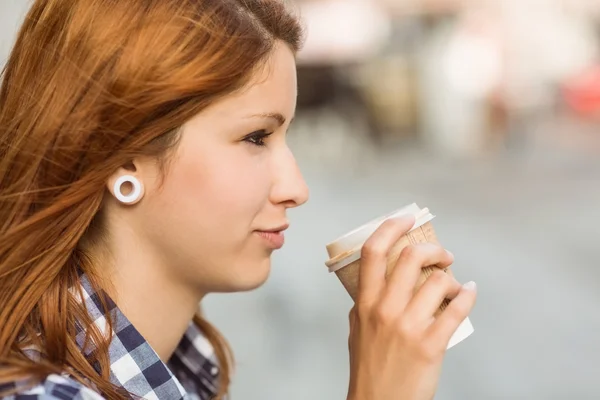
(278, 117)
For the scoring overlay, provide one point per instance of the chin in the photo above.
(249, 277)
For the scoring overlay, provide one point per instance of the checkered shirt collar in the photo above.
(191, 374)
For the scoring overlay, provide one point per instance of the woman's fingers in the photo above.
(395, 297)
(455, 313)
(405, 276)
(374, 254)
(428, 299)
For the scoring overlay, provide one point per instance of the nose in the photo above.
(289, 187)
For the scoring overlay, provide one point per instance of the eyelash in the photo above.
(257, 138)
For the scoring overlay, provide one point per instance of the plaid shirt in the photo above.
(190, 374)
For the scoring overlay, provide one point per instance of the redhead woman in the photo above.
(144, 165)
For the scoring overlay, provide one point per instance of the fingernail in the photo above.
(470, 286)
(450, 253)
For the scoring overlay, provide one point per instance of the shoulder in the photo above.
(56, 387)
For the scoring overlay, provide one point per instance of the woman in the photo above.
(143, 164)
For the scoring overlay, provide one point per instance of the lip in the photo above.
(280, 229)
(274, 238)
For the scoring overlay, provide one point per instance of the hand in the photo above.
(398, 338)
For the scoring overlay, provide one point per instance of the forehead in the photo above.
(273, 88)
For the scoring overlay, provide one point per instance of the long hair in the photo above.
(89, 86)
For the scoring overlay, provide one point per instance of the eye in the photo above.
(257, 138)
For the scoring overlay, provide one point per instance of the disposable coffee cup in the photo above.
(345, 252)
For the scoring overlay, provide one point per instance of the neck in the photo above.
(159, 306)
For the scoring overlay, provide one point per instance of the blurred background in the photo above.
(488, 113)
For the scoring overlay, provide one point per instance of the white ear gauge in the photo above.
(135, 193)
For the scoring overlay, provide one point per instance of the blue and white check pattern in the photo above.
(191, 374)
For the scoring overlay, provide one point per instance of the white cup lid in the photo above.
(346, 249)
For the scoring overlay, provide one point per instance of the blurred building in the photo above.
(463, 77)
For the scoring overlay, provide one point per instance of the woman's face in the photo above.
(232, 179)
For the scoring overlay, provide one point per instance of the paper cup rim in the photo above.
(344, 259)
(378, 221)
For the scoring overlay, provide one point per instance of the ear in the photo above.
(126, 185)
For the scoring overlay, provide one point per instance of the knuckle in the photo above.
(430, 352)
(362, 311)
(439, 278)
(411, 253)
(408, 331)
(459, 310)
(416, 338)
(439, 252)
(373, 249)
(383, 315)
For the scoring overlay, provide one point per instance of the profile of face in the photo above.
(213, 219)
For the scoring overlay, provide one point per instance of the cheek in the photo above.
(220, 185)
